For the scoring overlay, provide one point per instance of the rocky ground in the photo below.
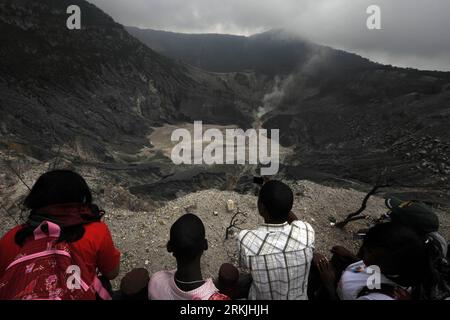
(143, 241)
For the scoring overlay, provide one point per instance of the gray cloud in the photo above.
(415, 33)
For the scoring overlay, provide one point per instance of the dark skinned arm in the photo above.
(344, 254)
(327, 275)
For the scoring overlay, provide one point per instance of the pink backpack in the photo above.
(47, 270)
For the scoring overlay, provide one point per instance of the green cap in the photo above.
(413, 214)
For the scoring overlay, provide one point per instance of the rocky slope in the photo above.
(271, 53)
(344, 115)
(96, 91)
(390, 122)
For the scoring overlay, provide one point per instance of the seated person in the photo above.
(228, 280)
(187, 244)
(278, 254)
(422, 219)
(232, 283)
(133, 286)
(64, 199)
(401, 257)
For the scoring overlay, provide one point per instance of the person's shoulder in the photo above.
(96, 227)
(246, 236)
(159, 285)
(163, 275)
(303, 231)
(242, 234)
(303, 225)
(95, 232)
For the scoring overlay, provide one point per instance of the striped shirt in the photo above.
(278, 257)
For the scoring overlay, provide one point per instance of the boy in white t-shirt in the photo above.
(399, 267)
(187, 244)
(354, 281)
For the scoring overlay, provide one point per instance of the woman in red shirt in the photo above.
(63, 197)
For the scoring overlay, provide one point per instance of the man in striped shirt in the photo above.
(278, 254)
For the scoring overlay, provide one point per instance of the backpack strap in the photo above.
(100, 290)
(95, 284)
(54, 231)
(386, 289)
(39, 255)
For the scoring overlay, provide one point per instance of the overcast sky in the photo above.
(415, 33)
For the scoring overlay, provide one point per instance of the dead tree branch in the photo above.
(235, 222)
(357, 214)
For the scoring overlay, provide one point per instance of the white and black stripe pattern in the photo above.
(278, 257)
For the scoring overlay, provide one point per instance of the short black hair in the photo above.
(401, 250)
(58, 187)
(277, 198)
(187, 237)
(53, 188)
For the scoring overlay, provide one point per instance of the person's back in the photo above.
(62, 199)
(96, 249)
(400, 257)
(277, 254)
(187, 244)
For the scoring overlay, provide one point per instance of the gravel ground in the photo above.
(142, 236)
